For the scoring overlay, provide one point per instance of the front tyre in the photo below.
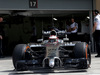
(19, 54)
(81, 50)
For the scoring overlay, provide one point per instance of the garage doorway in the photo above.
(17, 25)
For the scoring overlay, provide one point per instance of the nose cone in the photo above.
(51, 63)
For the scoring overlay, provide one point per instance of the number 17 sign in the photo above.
(33, 4)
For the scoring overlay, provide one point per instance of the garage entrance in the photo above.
(17, 26)
(19, 17)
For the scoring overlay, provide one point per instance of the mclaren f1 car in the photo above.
(52, 53)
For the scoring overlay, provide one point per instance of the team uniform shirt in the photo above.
(72, 26)
(97, 20)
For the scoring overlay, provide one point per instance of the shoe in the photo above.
(97, 56)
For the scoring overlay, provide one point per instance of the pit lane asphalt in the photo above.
(6, 68)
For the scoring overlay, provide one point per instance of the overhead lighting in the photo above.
(55, 19)
(88, 17)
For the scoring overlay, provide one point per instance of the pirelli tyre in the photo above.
(82, 51)
(19, 54)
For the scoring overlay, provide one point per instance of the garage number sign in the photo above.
(33, 3)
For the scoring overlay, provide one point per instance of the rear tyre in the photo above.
(19, 54)
(81, 50)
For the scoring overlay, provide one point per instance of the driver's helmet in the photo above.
(53, 39)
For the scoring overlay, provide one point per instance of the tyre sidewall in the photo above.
(19, 53)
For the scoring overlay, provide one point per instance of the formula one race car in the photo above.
(52, 53)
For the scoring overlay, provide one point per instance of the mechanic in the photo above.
(96, 31)
(34, 33)
(73, 29)
(1, 53)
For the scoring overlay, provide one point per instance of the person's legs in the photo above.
(97, 39)
(74, 36)
(1, 53)
(98, 47)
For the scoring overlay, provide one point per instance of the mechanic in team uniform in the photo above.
(34, 33)
(1, 52)
(96, 31)
(73, 29)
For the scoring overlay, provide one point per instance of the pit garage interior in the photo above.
(18, 20)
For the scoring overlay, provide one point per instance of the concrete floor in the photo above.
(6, 68)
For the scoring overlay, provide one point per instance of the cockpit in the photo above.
(52, 40)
